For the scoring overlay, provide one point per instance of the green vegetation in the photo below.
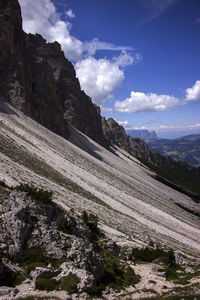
(38, 194)
(4, 188)
(11, 279)
(91, 221)
(186, 148)
(36, 258)
(69, 283)
(46, 284)
(65, 226)
(118, 274)
(150, 254)
(178, 176)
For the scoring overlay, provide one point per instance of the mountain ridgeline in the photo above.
(36, 78)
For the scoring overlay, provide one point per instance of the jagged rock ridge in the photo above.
(37, 79)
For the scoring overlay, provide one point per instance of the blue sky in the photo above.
(138, 59)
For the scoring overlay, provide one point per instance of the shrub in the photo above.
(149, 255)
(69, 283)
(38, 194)
(45, 284)
(65, 226)
(35, 258)
(11, 279)
(92, 222)
(118, 274)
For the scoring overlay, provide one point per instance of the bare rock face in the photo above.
(27, 224)
(36, 78)
(116, 135)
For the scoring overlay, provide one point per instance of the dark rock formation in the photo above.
(36, 78)
(116, 135)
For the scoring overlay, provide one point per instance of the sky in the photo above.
(139, 60)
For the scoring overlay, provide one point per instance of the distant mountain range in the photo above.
(142, 134)
(186, 148)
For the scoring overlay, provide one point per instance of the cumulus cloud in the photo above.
(141, 102)
(41, 17)
(125, 59)
(69, 13)
(99, 77)
(193, 94)
(123, 123)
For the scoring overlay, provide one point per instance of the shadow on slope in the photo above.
(5, 108)
(80, 140)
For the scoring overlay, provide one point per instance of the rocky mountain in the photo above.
(62, 164)
(116, 135)
(186, 148)
(46, 246)
(142, 134)
(36, 78)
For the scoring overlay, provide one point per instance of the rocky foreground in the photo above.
(49, 252)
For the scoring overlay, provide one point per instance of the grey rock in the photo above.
(4, 290)
(30, 224)
(161, 274)
(37, 79)
(43, 273)
(189, 270)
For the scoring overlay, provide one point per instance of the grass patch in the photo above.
(45, 284)
(118, 274)
(69, 283)
(38, 194)
(65, 227)
(35, 258)
(149, 255)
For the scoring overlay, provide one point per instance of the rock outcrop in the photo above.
(116, 135)
(28, 224)
(36, 78)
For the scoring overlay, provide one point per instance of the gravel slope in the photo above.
(84, 175)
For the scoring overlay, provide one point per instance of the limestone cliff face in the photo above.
(36, 78)
(116, 135)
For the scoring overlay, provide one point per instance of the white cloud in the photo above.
(141, 102)
(125, 59)
(99, 77)
(123, 123)
(69, 13)
(93, 46)
(179, 127)
(156, 7)
(41, 17)
(194, 92)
